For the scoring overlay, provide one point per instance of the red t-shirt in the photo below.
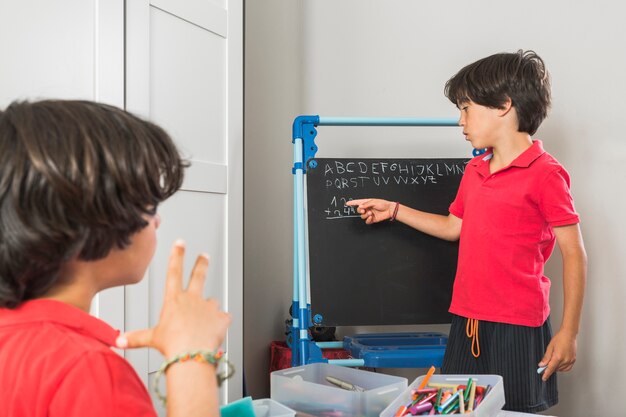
(506, 236)
(56, 360)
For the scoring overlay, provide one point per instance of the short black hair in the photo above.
(76, 180)
(521, 77)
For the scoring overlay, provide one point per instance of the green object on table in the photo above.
(239, 408)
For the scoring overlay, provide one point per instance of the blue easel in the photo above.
(304, 350)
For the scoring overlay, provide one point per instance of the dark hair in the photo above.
(520, 76)
(76, 180)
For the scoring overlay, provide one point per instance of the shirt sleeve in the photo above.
(457, 207)
(555, 199)
(101, 384)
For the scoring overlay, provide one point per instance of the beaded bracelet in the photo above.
(395, 212)
(201, 356)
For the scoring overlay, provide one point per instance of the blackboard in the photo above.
(385, 273)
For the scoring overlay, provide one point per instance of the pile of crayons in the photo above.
(436, 398)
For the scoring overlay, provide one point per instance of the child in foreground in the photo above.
(513, 204)
(80, 183)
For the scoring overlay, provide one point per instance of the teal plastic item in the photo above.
(239, 408)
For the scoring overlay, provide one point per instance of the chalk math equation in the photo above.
(337, 209)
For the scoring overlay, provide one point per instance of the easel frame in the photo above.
(304, 350)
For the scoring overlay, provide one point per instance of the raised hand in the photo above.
(188, 321)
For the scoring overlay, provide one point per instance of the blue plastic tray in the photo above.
(398, 350)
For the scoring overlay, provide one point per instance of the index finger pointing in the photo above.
(357, 202)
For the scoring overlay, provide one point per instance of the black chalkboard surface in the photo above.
(385, 273)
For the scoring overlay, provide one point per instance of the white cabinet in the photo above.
(180, 64)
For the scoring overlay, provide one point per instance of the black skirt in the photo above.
(510, 351)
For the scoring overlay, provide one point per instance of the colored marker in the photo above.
(420, 408)
(438, 399)
(448, 402)
(445, 396)
(343, 384)
(440, 385)
(461, 402)
(430, 373)
(401, 411)
(468, 388)
(424, 391)
(427, 398)
(479, 398)
(541, 369)
(472, 396)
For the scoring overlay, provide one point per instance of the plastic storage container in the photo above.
(306, 390)
(266, 407)
(490, 406)
(398, 350)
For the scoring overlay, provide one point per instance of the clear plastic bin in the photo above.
(490, 406)
(306, 390)
(266, 407)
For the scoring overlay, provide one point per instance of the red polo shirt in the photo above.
(56, 360)
(506, 236)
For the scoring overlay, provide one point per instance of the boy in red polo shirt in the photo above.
(79, 187)
(513, 203)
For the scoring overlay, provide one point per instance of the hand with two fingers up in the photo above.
(188, 323)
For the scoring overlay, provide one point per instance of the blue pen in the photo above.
(541, 369)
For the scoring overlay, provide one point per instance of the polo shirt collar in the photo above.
(52, 311)
(522, 161)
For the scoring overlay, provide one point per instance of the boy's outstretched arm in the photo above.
(374, 210)
(561, 352)
(188, 322)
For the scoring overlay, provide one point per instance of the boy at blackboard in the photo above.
(513, 203)
(80, 183)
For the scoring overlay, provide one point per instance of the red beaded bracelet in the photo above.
(395, 212)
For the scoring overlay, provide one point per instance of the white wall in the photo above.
(392, 58)
(272, 97)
